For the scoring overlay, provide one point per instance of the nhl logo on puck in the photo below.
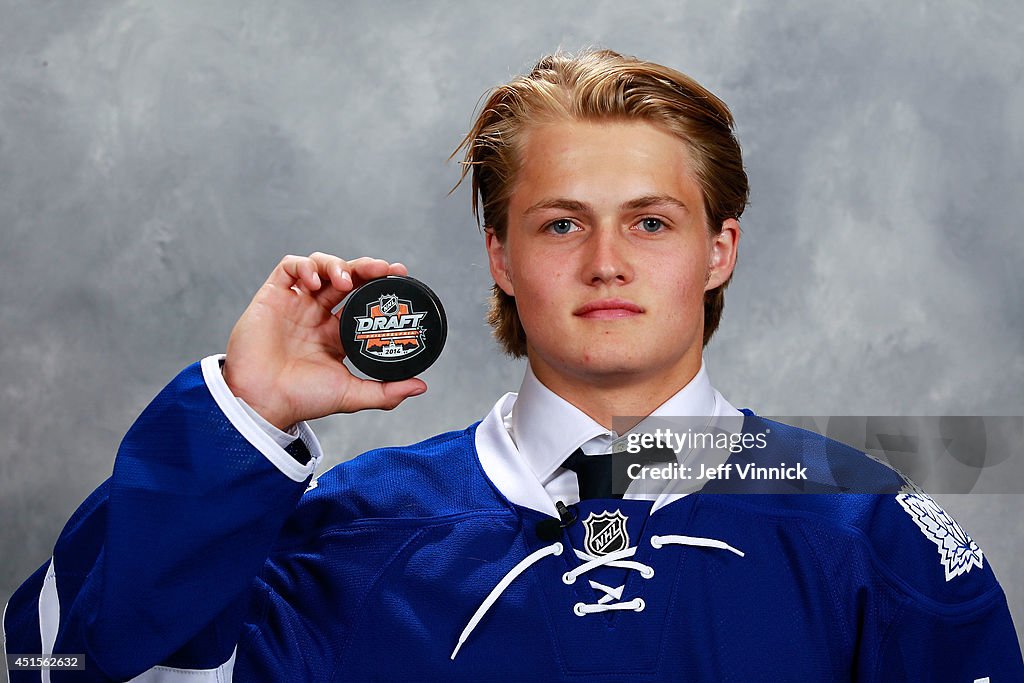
(393, 328)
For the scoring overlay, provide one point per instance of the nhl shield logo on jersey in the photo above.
(605, 533)
(957, 551)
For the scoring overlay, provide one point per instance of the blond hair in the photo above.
(593, 86)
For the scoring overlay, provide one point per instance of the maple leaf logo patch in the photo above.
(958, 553)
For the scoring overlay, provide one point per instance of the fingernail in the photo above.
(417, 392)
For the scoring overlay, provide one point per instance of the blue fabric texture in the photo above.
(198, 545)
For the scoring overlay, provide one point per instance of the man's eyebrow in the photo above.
(654, 200)
(559, 203)
(582, 207)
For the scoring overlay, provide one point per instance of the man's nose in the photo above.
(607, 258)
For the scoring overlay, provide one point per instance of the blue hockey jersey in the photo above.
(210, 553)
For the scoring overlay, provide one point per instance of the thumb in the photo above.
(399, 391)
(366, 393)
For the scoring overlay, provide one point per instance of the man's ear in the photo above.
(498, 258)
(724, 247)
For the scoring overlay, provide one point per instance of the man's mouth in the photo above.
(605, 309)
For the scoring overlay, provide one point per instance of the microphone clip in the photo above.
(567, 515)
(551, 529)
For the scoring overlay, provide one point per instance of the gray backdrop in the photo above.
(158, 158)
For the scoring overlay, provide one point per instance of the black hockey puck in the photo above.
(393, 328)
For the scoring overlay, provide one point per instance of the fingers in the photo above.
(337, 278)
(295, 271)
(365, 269)
(362, 393)
(329, 278)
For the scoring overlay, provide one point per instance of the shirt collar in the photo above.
(546, 428)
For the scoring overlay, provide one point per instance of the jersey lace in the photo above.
(612, 598)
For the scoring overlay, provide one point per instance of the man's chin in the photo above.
(602, 365)
(611, 369)
(608, 367)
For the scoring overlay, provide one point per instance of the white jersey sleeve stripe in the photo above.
(49, 616)
(3, 640)
(167, 674)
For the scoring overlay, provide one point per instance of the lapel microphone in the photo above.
(550, 529)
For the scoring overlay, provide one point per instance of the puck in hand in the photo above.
(393, 328)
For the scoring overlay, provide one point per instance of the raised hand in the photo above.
(284, 357)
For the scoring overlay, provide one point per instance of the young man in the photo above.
(611, 191)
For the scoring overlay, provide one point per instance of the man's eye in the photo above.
(651, 224)
(562, 226)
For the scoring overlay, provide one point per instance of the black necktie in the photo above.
(594, 473)
(297, 449)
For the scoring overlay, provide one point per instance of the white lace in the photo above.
(618, 558)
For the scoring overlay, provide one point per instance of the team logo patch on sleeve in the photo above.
(605, 533)
(957, 551)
